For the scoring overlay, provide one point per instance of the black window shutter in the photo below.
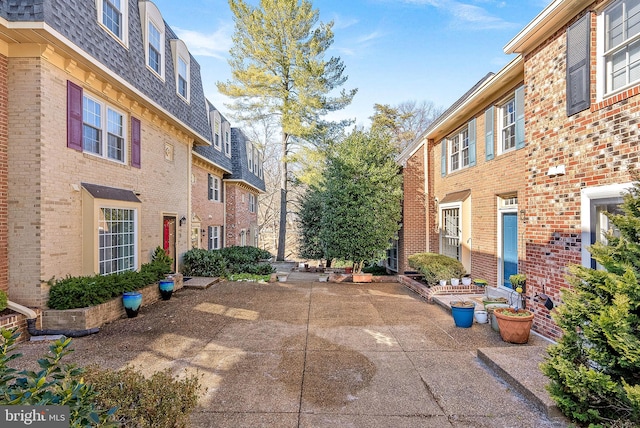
(135, 142)
(578, 53)
(74, 116)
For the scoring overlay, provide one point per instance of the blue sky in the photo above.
(393, 50)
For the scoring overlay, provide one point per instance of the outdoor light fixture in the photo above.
(183, 220)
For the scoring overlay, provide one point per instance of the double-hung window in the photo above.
(214, 238)
(252, 203)
(508, 125)
(621, 21)
(250, 156)
(103, 130)
(182, 78)
(112, 14)
(459, 146)
(227, 140)
(214, 188)
(155, 53)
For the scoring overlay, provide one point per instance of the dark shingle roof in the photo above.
(77, 20)
(241, 169)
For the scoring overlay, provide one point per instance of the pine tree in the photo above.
(279, 71)
(595, 367)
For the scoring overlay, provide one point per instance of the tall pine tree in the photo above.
(595, 367)
(279, 70)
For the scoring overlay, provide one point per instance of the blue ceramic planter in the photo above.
(132, 300)
(166, 288)
(462, 316)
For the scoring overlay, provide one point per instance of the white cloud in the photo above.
(216, 44)
(466, 15)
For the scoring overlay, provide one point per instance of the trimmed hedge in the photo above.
(3, 300)
(226, 261)
(84, 291)
(435, 267)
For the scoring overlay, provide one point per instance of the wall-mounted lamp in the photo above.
(183, 220)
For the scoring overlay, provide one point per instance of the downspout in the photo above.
(31, 323)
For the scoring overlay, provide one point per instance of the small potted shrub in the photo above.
(514, 323)
(466, 279)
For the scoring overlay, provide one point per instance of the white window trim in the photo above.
(214, 235)
(217, 130)
(125, 22)
(226, 132)
(502, 209)
(458, 134)
(215, 184)
(587, 196)
(180, 51)
(500, 122)
(250, 156)
(601, 67)
(252, 203)
(104, 107)
(441, 209)
(150, 13)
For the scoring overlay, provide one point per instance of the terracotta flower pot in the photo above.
(362, 277)
(514, 328)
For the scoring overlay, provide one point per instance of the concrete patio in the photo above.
(308, 354)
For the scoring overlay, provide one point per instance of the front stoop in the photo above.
(429, 292)
(518, 366)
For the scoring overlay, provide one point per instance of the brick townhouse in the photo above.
(101, 107)
(543, 196)
(463, 177)
(227, 178)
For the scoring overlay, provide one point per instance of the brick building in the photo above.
(527, 192)
(102, 112)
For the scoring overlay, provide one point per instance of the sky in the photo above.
(393, 50)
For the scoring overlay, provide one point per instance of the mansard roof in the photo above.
(77, 21)
(241, 171)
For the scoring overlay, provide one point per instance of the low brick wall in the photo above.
(429, 292)
(97, 316)
(19, 321)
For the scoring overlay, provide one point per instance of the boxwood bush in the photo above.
(226, 261)
(435, 267)
(82, 291)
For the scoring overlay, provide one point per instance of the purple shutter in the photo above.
(135, 142)
(74, 116)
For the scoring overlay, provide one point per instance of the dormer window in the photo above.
(154, 37)
(217, 129)
(113, 16)
(227, 139)
(182, 62)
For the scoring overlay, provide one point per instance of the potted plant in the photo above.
(324, 277)
(466, 279)
(282, 276)
(462, 311)
(518, 282)
(455, 281)
(514, 323)
(442, 282)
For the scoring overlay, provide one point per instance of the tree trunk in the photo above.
(282, 231)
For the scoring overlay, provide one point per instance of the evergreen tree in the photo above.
(595, 367)
(279, 71)
(309, 221)
(363, 189)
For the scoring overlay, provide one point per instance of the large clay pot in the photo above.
(514, 328)
(362, 277)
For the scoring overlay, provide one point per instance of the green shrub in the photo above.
(375, 269)
(198, 262)
(435, 267)
(54, 384)
(3, 300)
(594, 368)
(83, 291)
(161, 257)
(226, 261)
(159, 401)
